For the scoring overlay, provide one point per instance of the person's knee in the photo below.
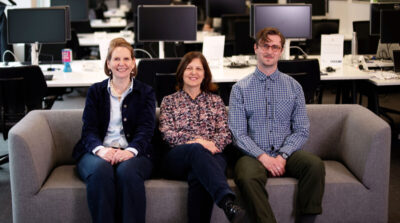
(248, 175)
(196, 150)
(101, 172)
(316, 167)
(131, 176)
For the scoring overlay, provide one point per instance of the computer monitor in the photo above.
(375, 15)
(390, 32)
(396, 60)
(38, 25)
(167, 23)
(136, 3)
(295, 24)
(319, 7)
(216, 8)
(324, 26)
(42, 25)
(79, 9)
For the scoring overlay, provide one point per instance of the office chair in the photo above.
(307, 73)
(22, 89)
(366, 43)
(319, 27)
(165, 84)
(148, 69)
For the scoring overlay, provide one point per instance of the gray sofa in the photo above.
(353, 142)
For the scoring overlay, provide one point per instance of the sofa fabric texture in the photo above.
(353, 142)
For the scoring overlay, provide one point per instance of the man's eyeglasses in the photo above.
(265, 47)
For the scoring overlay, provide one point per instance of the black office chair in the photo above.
(319, 27)
(165, 84)
(149, 68)
(307, 73)
(22, 89)
(366, 43)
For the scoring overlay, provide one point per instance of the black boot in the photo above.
(233, 212)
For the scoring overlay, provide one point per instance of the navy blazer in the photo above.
(138, 118)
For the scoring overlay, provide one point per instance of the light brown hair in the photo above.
(119, 42)
(263, 34)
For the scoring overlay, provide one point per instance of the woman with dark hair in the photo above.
(114, 151)
(193, 121)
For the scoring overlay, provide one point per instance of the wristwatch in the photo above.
(284, 155)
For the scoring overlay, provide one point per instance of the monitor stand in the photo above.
(286, 50)
(35, 53)
(161, 52)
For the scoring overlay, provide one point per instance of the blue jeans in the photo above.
(205, 174)
(115, 193)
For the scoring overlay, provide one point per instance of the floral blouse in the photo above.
(183, 119)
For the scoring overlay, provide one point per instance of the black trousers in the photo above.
(115, 193)
(205, 174)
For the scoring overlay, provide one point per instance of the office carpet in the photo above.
(76, 100)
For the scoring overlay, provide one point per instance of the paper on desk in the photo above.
(332, 50)
(213, 51)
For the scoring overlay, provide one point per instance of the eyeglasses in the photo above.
(190, 69)
(265, 47)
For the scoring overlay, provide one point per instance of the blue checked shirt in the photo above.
(267, 114)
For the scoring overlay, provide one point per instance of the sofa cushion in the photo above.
(168, 198)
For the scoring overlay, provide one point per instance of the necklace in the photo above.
(115, 93)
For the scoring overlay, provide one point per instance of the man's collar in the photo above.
(262, 76)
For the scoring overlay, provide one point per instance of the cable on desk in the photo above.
(144, 51)
(9, 51)
(301, 50)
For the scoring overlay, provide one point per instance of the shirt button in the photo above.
(125, 119)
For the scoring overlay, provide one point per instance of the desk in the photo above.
(373, 87)
(94, 39)
(84, 74)
(87, 72)
(111, 23)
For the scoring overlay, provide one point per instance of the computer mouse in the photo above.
(330, 69)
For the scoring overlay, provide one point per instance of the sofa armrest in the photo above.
(31, 154)
(365, 147)
(31, 150)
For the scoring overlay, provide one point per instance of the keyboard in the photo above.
(386, 75)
